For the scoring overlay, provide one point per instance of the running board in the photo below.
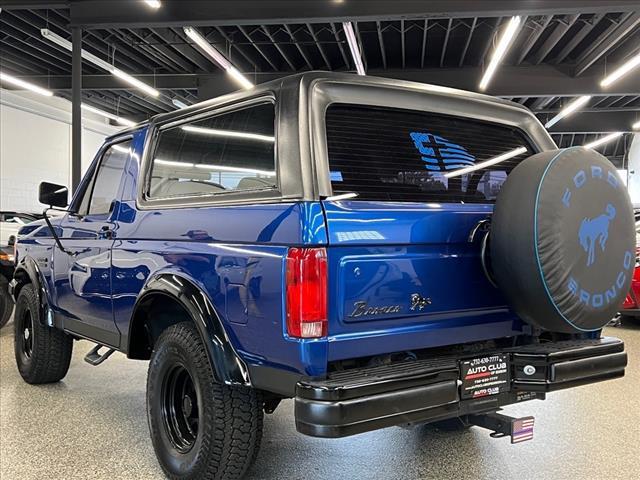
(519, 429)
(95, 358)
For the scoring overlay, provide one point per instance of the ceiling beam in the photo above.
(512, 81)
(582, 122)
(606, 41)
(536, 30)
(101, 14)
(519, 81)
(33, 4)
(588, 110)
(560, 29)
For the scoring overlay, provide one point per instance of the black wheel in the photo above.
(42, 353)
(6, 302)
(200, 429)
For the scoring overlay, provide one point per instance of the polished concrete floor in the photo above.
(93, 426)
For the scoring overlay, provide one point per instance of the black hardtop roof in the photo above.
(307, 78)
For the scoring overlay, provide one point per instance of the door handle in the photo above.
(106, 232)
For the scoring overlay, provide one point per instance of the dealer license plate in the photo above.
(484, 376)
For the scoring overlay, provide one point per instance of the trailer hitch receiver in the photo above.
(519, 429)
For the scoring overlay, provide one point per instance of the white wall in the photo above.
(633, 170)
(35, 146)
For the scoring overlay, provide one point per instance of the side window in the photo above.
(225, 153)
(103, 188)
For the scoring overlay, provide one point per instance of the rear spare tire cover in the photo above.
(563, 240)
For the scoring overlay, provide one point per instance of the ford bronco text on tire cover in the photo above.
(380, 251)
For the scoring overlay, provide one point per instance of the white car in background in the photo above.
(11, 222)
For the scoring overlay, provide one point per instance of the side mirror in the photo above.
(53, 195)
(12, 241)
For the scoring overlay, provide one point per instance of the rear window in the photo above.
(387, 154)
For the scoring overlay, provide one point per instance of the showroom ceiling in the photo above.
(556, 55)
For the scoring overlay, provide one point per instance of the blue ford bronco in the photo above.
(382, 252)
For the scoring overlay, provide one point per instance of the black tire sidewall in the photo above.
(171, 351)
(27, 304)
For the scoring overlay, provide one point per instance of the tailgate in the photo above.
(408, 278)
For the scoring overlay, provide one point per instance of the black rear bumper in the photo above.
(360, 400)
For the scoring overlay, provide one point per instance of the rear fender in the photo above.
(227, 365)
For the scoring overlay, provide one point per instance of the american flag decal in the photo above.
(522, 429)
(440, 154)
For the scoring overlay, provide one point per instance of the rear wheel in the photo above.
(43, 354)
(200, 429)
(6, 302)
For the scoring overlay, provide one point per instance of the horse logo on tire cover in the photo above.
(596, 230)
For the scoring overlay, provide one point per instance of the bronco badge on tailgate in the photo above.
(361, 309)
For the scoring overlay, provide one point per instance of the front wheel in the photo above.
(200, 429)
(43, 353)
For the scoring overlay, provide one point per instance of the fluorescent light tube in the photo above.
(153, 3)
(241, 79)
(488, 163)
(202, 42)
(173, 163)
(179, 103)
(16, 82)
(500, 51)
(223, 168)
(636, 126)
(57, 39)
(341, 196)
(229, 133)
(217, 57)
(621, 71)
(603, 140)
(353, 46)
(120, 148)
(115, 118)
(135, 82)
(568, 110)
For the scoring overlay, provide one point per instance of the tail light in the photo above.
(307, 292)
(629, 302)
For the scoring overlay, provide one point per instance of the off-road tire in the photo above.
(229, 418)
(43, 355)
(6, 302)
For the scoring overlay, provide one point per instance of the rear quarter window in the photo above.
(387, 154)
(224, 153)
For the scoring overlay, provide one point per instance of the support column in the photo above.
(76, 112)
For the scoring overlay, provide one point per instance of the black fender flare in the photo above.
(28, 271)
(228, 367)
